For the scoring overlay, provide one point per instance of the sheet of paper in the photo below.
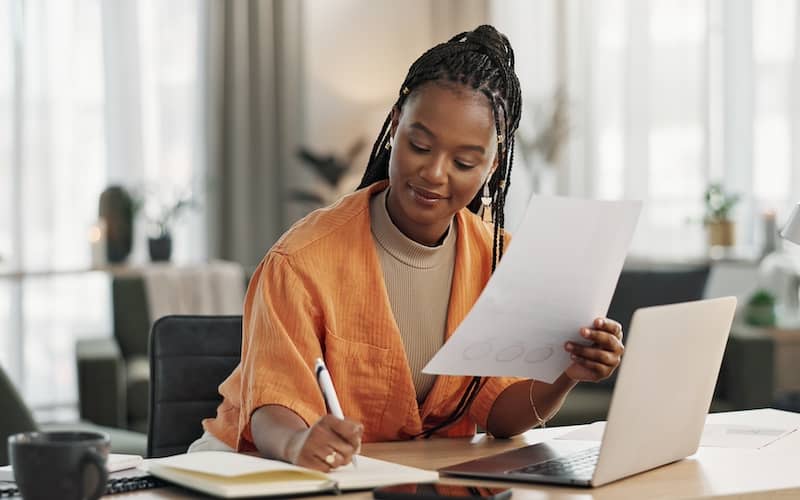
(558, 274)
(714, 435)
(740, 436)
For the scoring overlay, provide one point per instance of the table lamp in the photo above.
(791, 231)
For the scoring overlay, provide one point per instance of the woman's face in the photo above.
(444, 147)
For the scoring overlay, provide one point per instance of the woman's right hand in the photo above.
(330, 443)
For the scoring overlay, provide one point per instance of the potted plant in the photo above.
(161, 212)
(760, 309)
(719, 204)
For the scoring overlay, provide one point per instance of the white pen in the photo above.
(329, 393)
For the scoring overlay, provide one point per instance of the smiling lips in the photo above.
(425, 196)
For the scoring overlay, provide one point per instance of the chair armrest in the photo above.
(746, 378)
(101, 382)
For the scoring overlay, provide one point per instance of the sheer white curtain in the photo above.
(91, 93)
(666, 96)
(682, 93)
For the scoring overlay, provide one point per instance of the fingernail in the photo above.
(585, 332)
(601, 322)
(573, 357)
(568, 346)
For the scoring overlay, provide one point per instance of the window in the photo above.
(666, 96)
(647, 114)
(6, 132)
(775, 91)
(75, 117)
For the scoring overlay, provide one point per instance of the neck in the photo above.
(429, 235)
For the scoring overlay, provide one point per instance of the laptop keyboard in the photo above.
(579, 464)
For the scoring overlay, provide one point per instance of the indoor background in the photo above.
(216, 117)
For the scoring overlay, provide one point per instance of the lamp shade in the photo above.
(791, 231)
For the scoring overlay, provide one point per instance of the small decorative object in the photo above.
(719, 203)
(760, 310)
(117, 208)
(161, 212)
(98, 242)
(160, 247)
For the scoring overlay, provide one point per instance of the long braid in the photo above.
(482, 59)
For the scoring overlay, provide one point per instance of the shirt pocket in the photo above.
(362, 375)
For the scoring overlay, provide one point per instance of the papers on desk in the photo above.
(558, 275)
(714, 435)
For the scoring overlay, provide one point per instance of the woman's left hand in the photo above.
(597, 361)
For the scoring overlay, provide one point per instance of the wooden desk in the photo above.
(770, 472)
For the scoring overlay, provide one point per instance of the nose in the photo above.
(435, 170)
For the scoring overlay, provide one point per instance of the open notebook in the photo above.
(235, 475)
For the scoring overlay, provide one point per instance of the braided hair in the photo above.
(483, 60)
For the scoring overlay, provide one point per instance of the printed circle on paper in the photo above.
(539, 354)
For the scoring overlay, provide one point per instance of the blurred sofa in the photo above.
(745, 379)
(114, 371)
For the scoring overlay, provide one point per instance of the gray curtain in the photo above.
(252, 122)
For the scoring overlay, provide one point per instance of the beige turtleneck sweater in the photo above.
(418, 280)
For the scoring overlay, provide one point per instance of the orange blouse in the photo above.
(319, 292)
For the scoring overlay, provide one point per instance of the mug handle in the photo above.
(96, 460)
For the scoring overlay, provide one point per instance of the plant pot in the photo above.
(721, 233)
(160, 248)
(760, 314)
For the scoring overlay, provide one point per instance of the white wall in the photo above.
(356, 54)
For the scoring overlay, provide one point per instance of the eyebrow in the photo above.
(426, 130)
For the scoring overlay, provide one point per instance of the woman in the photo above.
(377, 282)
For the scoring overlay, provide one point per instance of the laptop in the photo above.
(658, 409)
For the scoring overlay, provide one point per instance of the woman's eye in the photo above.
(464, 166)
(418, 149)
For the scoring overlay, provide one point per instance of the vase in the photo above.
(160, 248)
(116, 208)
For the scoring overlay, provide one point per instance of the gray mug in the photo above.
(64, 465)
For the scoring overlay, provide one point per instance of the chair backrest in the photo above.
(190, 356)
(638, 288)
(14, 417)
(131, 315)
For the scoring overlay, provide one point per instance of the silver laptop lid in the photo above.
(658, 418)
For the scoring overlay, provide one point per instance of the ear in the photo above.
(395, 122)
(491, 170)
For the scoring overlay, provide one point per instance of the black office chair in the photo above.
(656, 286)
(190, 356)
